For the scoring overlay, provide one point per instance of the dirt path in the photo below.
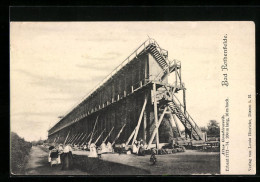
(38, 165)
(189, 162)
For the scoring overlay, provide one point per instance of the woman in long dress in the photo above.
(109, 147)
(53, 156)
(103, 148)
(60, 150)
(135, 148)
(93, 150)
(67, 158)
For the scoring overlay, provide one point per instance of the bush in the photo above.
(20, 150)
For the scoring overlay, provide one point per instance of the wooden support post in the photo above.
(85, 140)
(173, 119)
(91, 137)
(79, 142)
(184, 101)
(156, 130)
(176, 83)
(90, 140)
(145, 71)
(72, 138)
(66, 138)
(130, 137)
(156, 115)
(118, 134)
(145, 126)
(108, 135)
(140, 118)
(80, 139)
(132, 89)
(77, 138)
(191, 133)
(54, 140)
(99, 136)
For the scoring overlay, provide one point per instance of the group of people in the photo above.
(61, 155)
(97, 151)
(103, 148)
(139, 147)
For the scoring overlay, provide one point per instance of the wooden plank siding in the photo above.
(117, 114)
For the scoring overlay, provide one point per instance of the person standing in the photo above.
(93, 151)
(103, 148)
(53, 156)
(135, 148)
(141, 150)
(109, 147)
(60, 151)
(67, 158)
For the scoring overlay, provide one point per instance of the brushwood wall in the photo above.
(115, 104)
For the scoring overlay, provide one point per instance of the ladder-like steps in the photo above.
(195, 132)
(161, 60)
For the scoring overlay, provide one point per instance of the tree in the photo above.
(203, 129)
(213, 128)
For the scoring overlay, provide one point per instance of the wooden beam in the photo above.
(108, 135)
(54, 139)
(145, 126)
(57, 139)
(66, 138)
(140, 118)
(77, 138)
(80, 138)
(173, 119)
(85, 140)
(184, 100)
(71, 138)
(156, 115)
(91, 137)
(130, 137)
(99, 136)
(90, 140)
(118, 134)
(74, 138)
(76, 135)
(156, 129)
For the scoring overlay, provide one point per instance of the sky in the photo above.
(53, 65)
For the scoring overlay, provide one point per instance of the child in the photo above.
(153, 158)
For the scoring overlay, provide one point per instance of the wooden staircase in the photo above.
(157, 53)
(186, 120)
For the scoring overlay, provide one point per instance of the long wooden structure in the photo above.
(133, 96)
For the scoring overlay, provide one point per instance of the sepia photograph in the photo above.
(132, 98)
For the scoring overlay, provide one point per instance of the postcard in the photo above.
(132, 98)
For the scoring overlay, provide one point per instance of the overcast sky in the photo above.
(54, 65)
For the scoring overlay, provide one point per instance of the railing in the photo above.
(141, 83)
(187, 115)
